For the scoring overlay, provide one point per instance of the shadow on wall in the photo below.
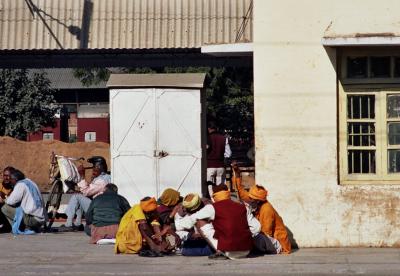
(333, 56)
(292, 240)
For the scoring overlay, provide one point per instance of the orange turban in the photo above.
(169, 197)
(221, 195)
(148, 205)
(258, 193)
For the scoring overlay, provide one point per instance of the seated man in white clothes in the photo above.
(24, 207)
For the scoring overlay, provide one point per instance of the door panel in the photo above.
(181, 173)
(179, 135)
(134, 177)
(179, 121)
(133, 121)
(132, 125)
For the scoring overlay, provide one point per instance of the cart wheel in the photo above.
(53, 201)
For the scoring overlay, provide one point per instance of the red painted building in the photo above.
(85, 110)
(99, 126)
(47, 133)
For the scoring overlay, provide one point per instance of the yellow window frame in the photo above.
(381, 175)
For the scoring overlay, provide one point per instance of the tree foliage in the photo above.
(26, 103)
(229, 93)
(92, 76)
(229, 96)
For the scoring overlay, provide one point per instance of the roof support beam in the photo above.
(361, 41)
(226, 50)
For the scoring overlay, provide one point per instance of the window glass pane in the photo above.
(380, 67)
(72, 108)
(393, 106)
(394, 133)
(397, 67)
(361, 161)
(357, 67)
(90, 136)
(93, 110)
(72, 138)
(48, 136)
(361, 107)
(361, 134)
(393, 161)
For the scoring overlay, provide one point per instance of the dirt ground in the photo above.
(33, 158)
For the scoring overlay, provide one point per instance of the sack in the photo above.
(68, 170)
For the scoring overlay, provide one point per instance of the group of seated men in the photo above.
(220, 227)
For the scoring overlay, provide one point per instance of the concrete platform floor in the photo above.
(70, 254)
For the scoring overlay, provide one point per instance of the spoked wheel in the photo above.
(53, 201)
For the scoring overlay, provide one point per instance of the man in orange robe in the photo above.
(274, 238)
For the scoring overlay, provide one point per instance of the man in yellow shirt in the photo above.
(6, 186)
(139, 228)
(274, 238)
(5, 190)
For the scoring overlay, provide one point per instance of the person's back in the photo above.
(231, 227)
(272, 225)
(107, 209)
(104, 214)
(216, 147)
(134, 228)
(128, 238)
(215, 153)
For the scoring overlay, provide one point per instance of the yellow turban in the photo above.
(258, 193)
(148, 205)
(221, 195)
(191, 202)
(169, 197)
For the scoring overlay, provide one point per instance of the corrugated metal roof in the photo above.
(119, 24)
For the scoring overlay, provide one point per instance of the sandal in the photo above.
(149, 253)
(218, 256)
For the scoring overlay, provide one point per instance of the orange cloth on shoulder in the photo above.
(148, 205)
(221, 195)
(258, 193)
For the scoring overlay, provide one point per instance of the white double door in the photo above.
(155, 141)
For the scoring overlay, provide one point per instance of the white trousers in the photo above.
(216, 175)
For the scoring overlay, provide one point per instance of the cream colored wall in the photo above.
(296, 122)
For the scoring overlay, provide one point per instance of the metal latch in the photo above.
(160, 154)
